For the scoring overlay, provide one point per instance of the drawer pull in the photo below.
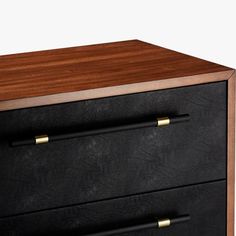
(161, 121)
(155, 224)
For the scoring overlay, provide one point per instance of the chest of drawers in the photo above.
(122, 138)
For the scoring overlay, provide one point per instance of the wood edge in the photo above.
(231, 155)
(115, 90)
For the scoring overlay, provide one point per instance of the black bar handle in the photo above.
(161, 121)
(154, 224)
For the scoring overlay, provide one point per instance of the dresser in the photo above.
(123, 138)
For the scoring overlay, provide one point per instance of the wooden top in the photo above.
(52, 72)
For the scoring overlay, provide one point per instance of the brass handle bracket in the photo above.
(163, 121)
(40, 139)
(163, 223)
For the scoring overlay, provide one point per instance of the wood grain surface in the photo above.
(231, 156)
(39, 74)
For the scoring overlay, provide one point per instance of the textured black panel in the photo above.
(205, 203)
(118, 164)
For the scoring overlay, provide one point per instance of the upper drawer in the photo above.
(85, 169)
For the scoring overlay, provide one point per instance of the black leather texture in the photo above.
(205, 203)
(106, 166)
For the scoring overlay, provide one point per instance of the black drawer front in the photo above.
(205, 203)
(114, 164)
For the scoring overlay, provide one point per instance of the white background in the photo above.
(203, 28)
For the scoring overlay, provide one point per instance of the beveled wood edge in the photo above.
(115, 90)
(231, 155)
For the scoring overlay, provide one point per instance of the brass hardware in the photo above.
(163, 223)
(41, 139)
(163, 121)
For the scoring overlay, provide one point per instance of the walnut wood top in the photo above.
(43, 73)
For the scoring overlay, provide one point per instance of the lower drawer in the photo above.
(204, 203)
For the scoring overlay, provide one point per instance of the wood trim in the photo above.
(231, 155)
(115, 90)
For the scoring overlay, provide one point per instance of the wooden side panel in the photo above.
(231, 155)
